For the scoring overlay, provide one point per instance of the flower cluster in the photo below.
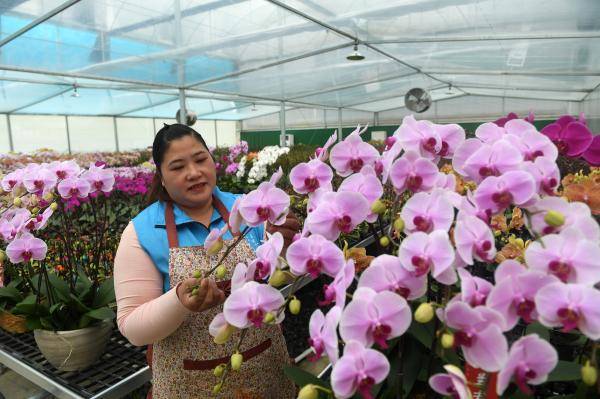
(266, 157)
(435, 237)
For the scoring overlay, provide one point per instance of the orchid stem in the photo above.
(228, 251)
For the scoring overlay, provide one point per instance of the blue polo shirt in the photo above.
(152, 233)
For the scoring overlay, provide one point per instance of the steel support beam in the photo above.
(116, 129)
(511, 73)
(340, 125)
(68, 134)
(11, 144)
(282, 125)
(147, 106)
(521, 36)
(41, 100)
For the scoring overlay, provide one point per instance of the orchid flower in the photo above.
(497, 193)
(414, 173)
(453, 384)
(350, 155)
(267, 256)
(421, 253)
(337, 213)
(100, 179)
(308, 176)
(74, 187)
(368, 184)
(336, 291)
(266, 203)
(386, 273)
(323, 333)
(478, 160)
(315, 255)
(576, 215)
(473, 239)
(248, 305)
(40, 180)
(26, 248)
(572, 137)
(473, 290)
(427, 212)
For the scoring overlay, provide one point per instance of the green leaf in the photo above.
(56, 307)
(11, 293)
(537, 328)
(101, 314)
(60, 287)
(413, 359)
(105, 294)
(47, 323)
(33, 323)
(78, 304)
(301, 377)
(83, 283)
(424, 332)
(565, 371)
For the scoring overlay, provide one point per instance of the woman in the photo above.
(154, 266)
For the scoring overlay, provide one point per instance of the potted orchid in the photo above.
(442, 310)
(54, 219)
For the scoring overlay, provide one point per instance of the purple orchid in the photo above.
(337, 213)
(266, 203)
(576, 214)
(421, 253)
(13, 180)
(478, 160)
(65, 169)
(420, 137)
(323, 333)
(571, 137)
(39, 180)
(473, 290)
(26, 248)
(336, 291)
(100, 179)
(315, 255)
(453, 383)
(414, 173)
(249, 304)
(427, 212)
(74, 187)
(350, 155)
(13, 222)
(359, 369)
(368, 184)
(308, 176)
(473, 239)
(592, 154)
(497, 193)
(386, 273)
(545, 173)
(267, 256)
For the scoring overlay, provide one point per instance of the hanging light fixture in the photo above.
(75, 92)
(253, 109)
(449, 89)
(355, 55)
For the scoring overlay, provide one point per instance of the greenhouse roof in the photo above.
(239, 59)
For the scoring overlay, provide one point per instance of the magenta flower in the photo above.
(13, 180)
(592, 154)
(368, 184)
(39, 180)
(374, 318)
(235, 218)
(473, 290)
(576, 214)
(358, 370)
(479, 160)
(479, 334)
(427, 212)
(336, 291)
(453, 384)
(421, 252)
(337, 213)
(214, 240)
(571, 137)
(266, 203)
(65, 169)
(248, 305)
(315, 255)
(545, 173)
(350, 155)
(515, 290)
(570, 306)
(502, 121)
(530, 360)
(386, 273)
(323, 334)
(570, 256)
(321, 152)
(308, 176)
(473, 239)
(231, 169)
(411, 172)
(13, 222)
(74, 187)
(267, 256)
(100, 179)
(497, 193)
(26, 248)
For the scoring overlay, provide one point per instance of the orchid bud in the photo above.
(295, 305)
(221, 271)
(378, 207)
(33, 200)
(399, 224)
(35, 210)
(589, 374)
(197, 274)
(215, 248)
(2, 256)
(269, 318)
(224, 334)
(48, 196)
(236, 361)
(447, 340)
(194, 291)
(519, 242)
(308, 392)
(54, 206)
(554, 218)
(277, 279)
(219, 370)
(217, 388)
(18, 202)
(384, 241)
(424, 313)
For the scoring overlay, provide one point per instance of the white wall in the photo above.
(591, 108)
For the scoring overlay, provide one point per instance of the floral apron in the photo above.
(183, 363)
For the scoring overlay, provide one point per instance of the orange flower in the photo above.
(586, 191)
(517, 221)
(361, 259)
(511, 251)
(498, 222)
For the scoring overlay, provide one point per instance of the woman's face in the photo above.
(188, 172)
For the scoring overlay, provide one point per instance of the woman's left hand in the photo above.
(288, 230)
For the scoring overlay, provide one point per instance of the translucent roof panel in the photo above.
(252, 111)
(398, 101)
(9, 25)
(538, 94)
(16, 95)
(199, 106)
(393, 19)
(306, 75)
(551, 82)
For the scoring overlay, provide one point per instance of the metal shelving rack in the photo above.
(120, 370)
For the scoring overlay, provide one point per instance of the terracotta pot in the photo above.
(74, 350)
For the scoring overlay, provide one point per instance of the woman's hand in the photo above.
(207, 296)
(288, 229)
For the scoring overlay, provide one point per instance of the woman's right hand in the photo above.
(207, 296)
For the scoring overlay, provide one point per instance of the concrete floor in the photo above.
(13, 386)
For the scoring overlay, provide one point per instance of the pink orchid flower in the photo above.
(358, 370)
(315, 255)
(74, 187)
(235, 218)
(453, 383)
(473, 239)
(308, 176)
(321, 152)
(497, 193)
(421, 252)
(502, 121)
(336, 291)
(545, 173)
(414, 173)
(275, 177)
(478, 160)
(530, 360)
(446, 182)
(452, 135)
(350, 155)
(530, 142)
(570, 256)
(100, 179)
(576, 214)
(267, 256)
(514, 294)
(266, 203)
(473, 290)
(387, 160)
(214, 240)
(65, 169)
(337, 213)
(314, 199)
(420, 137)
(386, 273)
(323, 334)
(13, 180)
(241, 275)
(570, 136)
(592, 154)
(368, 184)
(39, 221)
(427, 212)
(248, 305)
(389, 142)
(39, 180)
(26, 248)
(13, 222)
(570, 306)
(374, 318)
(479, 334)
